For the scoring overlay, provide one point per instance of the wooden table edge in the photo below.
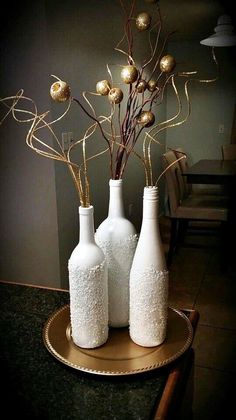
(176, 374)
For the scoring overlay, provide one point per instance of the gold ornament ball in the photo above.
(115, 95)
(141, 86)
(152, 85)
(103, 87)
(129, 74)
(167, 63)
(146, 119)
(143, 21)
(60, 91)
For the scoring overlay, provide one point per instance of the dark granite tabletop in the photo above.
(38, 386)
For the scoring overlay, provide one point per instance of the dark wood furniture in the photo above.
(223, 172)
(212, 171)
(185, 206)
(38, 386)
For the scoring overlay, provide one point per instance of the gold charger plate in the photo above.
(119, 355)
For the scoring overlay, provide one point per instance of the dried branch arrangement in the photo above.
(132, 109)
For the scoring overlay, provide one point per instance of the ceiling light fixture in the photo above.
(224, 35)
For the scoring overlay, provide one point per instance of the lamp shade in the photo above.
(224, 34)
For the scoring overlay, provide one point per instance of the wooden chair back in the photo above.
(228, 151)
(174, 181)
(183, 164)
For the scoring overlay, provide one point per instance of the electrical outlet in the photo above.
(70, 138)
(67, 140)
(221, 128)
(65, 143)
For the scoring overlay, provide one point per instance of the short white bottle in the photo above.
(88, 287)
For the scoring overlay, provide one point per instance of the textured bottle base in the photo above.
(148, 306)
(88, 305)
(119, 256)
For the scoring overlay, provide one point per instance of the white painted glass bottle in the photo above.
(88, 287)
(149, 279)
(117, 237)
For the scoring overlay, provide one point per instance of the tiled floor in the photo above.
(197, 282)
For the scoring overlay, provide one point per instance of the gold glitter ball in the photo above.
(60, 91)
(141, 86)
(167, 63)
(103, 87)
(143, 21)
(129, 74)
(146, 119)
(152, 85)
(115, 95)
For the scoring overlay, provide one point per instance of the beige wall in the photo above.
(29, 229)
(212, 104)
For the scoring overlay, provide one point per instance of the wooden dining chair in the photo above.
(184, 207)
(228, 151)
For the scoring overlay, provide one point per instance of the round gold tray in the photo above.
(119, 355)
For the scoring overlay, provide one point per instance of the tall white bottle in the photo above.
(117, 237)
(88, 287)
(149, 279)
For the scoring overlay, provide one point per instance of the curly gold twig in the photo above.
(168, 167)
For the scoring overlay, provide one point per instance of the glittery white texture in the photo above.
(88, 304)
(148, 306)
(119, 255)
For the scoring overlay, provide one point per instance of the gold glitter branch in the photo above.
(129, 118)
(169, 123)
(60, 93)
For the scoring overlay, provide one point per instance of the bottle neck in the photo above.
(116, 206)
(150, 203)
(86, 222)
